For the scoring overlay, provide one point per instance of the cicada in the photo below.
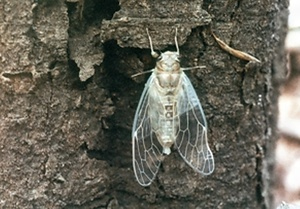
(169, 115)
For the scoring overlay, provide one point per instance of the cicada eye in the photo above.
(159, 58)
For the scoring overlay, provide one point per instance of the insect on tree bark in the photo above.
(169, 113)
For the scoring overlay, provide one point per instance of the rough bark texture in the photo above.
(67, 101)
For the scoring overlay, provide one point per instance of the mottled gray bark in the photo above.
(67, 101)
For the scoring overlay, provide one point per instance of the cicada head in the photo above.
(168, 62)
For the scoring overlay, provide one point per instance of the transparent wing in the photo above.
(191, 139)
(146, 150)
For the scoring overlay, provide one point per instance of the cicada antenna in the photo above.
(176, 42)
(153, 53)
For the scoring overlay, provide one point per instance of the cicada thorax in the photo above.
(168, 71)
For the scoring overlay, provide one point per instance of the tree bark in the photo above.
(68, 100)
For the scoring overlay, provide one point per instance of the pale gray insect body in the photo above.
(169, 113)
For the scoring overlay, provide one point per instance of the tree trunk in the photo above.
(68, 100)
